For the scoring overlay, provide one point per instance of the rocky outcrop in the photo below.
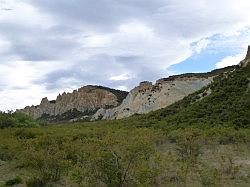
(149, 97)
(115, 104)
(248, 53)
(246, 61)
(88, 98)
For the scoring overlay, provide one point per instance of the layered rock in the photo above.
(149, 97)
(88, 98)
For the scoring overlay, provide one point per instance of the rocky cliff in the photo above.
(246, 61)
(87, 98)
(149, 97)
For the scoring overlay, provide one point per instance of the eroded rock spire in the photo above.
(248, 53)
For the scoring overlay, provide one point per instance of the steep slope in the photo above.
(84, 100)
(225, 102)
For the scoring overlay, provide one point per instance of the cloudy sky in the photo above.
(51, 46)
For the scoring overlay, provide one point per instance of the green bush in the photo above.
(209, 176)
(25, 134)
(36, 182)
(14, 181)
(16, 120)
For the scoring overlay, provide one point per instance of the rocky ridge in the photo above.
(87, 98)
(149, 97)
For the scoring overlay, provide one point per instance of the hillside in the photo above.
(149, 97)
(225, 102)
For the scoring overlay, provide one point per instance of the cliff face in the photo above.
(148, 97)
(84, 99)
(246, 61)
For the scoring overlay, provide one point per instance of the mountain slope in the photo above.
(149, 97)
(224, 102)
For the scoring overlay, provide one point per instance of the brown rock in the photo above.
(84, 99)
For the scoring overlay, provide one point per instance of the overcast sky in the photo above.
(51, 46)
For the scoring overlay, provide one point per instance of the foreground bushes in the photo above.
(115, 156)
(16, 120)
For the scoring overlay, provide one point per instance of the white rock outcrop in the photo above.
(148, 97)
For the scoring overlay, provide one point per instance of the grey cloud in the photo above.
(127, 58)
(97, 71)
(101, 14)
(172, 17)
(35, 44)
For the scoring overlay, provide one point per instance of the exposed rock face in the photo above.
(248, 53)
(148, 97)
(246, 61)
(84, 99)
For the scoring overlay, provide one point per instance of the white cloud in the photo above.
(96, 40)
(230, 60)
(4, 45)
(121, 77)
(19, 12)
(136, 29)
(202, 44)
(124, 88)
(20, 89)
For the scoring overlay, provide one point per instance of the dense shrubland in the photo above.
(110, 155)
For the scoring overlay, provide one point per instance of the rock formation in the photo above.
(88, 98)
(149, 97)
(106, 103)
(246, 61)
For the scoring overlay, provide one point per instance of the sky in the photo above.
(51, 46)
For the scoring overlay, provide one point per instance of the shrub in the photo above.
(16, 120)
(25, 134)
(36, 182)
(7, 120)
(209, 176)
(14, 181)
